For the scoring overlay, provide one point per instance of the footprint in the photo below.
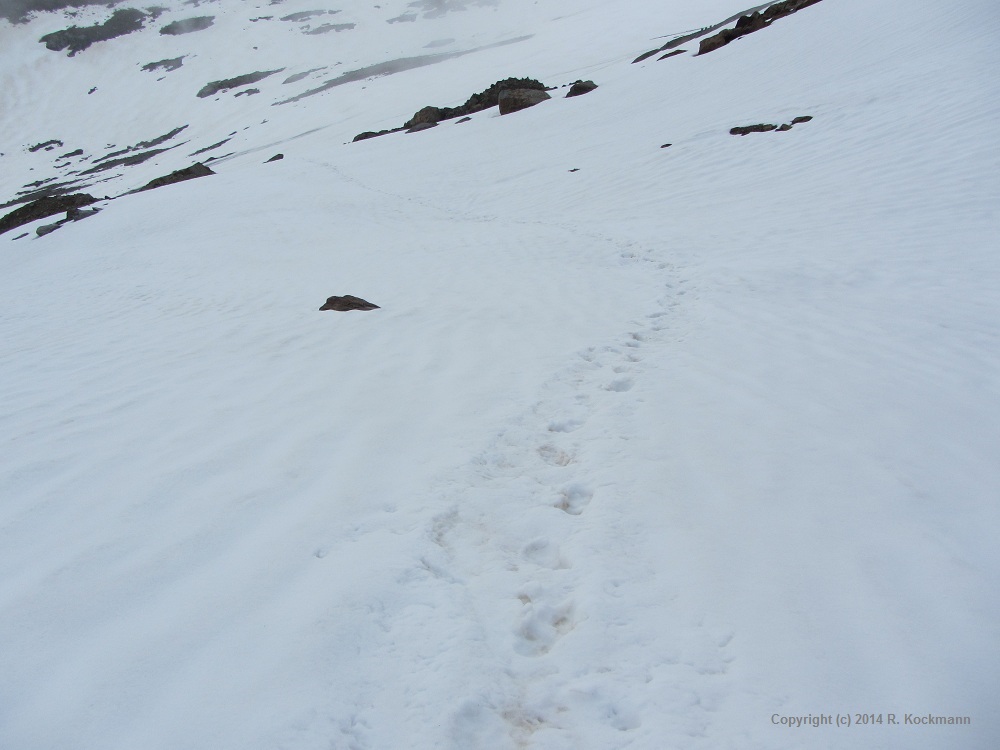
(565, 425)
(545, 553)
(542, 626)
(574, 498)
(554, 456)
(619, 385)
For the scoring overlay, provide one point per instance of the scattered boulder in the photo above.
(276, 157)
(43, 207)
(464, 119)
(47, 228)
(581, 87)
(803, 118)
(671, 54)
(188, 173)
(348, 302)
(73, 214)
(421, 126)
(514, 100)
(666, 145)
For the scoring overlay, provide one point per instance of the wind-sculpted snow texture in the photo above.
(642, 448)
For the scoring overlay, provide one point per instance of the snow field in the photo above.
(634, 456)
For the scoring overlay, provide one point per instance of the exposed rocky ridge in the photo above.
(188, 25)
(42, 208)
(489, 97)
(188, 173)
(746, 22)
(753, 22)
(168, 65)
(78, 38)
(767, 127)
(46, 145)
(327, 27)
(214, 87)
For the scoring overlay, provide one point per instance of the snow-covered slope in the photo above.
(646, 447)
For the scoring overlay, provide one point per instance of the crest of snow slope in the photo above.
(633, 456)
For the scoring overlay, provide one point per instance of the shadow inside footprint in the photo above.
(574, 498)
(620, 385)
(542, 626)
(550, 454)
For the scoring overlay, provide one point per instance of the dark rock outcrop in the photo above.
(753, 22)
(47, 145)
(514, 100)
(581, 87)
(168, 65)
(73, 214)
(125, 161)
(746, 23)
(188, 25)
(212, 147)
(348, 302)
(188, 173)
(766, 128)
(374, 134)
(490, 97)
(76, 38)
(276, 157)
(747, 129)
(214, 87)
(328, 27)
(43, 207)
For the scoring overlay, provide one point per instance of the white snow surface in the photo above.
(645, 455)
